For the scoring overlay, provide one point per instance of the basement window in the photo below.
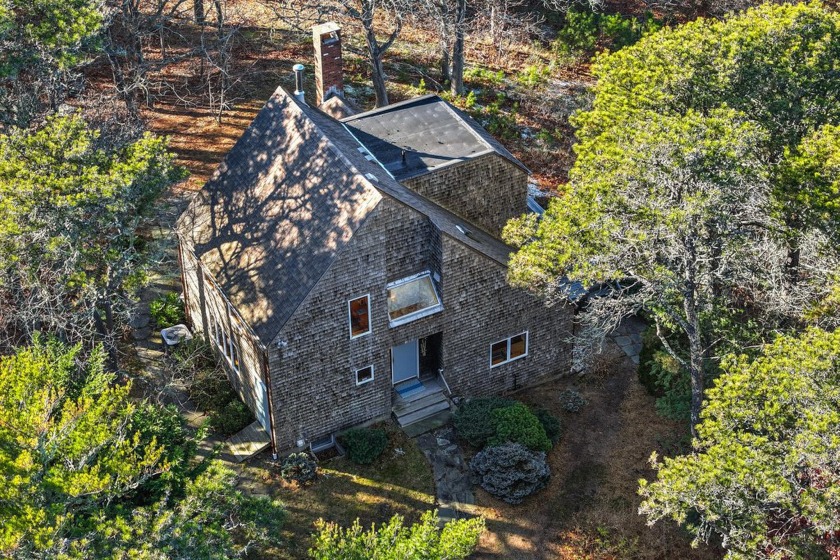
(509, 349)
(412, 298)
(359, 310)
(364, 375)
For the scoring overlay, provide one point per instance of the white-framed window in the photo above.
(364, 375)
(412, 298)
(358, 310)
(227, 345)
(509, 349)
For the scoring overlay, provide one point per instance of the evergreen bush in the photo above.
(571, 400)
(364, 445)
(550, 423)
(474, 420)
(300, 468)
(517, 424)
(510, 471)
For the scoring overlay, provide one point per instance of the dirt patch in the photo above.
(588, 510)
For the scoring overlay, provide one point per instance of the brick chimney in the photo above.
(329, 66)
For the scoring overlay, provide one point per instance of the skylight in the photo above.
(412, 298)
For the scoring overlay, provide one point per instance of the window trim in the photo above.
(507, 351)
(366, 381)
(419, 314)
(350, 317)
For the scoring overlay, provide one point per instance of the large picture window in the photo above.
(412, 298)
(509, 349)
(359, 309)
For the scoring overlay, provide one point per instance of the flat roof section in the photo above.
(416, 136)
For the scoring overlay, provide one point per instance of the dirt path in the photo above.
(589, 508)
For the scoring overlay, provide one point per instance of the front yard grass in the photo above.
(399, 482)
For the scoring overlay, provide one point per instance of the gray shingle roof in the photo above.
(272, 218)
(286, 200)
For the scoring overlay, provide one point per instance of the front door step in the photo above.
(433, 422)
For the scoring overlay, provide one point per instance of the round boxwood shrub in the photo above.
(510, 471)
(300, 468)
(364, 445)
(550, 423)
(517, 424)
(231, 418)
(474, 420)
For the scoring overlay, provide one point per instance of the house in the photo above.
(351, 267)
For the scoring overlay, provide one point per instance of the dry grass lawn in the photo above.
(588, 510)
(399, 482)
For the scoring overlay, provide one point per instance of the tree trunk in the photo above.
(445, 75)
(198, 11)
(792, 263)
(377, 74)
(457, 87)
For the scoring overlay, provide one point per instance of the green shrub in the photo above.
(231, 418)
(474, 419)
(517, 424)
(585, 30)
(300, 468)
(572, 401)
(550, 423)
(663, 376)
(364, 445)
(533, 75)
(167, 310)
(484, 76)
(456, 540)
(580, 34)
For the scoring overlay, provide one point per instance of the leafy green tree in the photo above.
(395, 541)
(70, 211)
(41, 42)
(688, 184)
(65, 446)
(89, 474)
(764, 474)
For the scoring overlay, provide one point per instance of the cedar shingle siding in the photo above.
(315, 223)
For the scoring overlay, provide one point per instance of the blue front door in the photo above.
(405, 361)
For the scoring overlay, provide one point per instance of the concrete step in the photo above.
(421, 413)
(405, 406)
(433, 422)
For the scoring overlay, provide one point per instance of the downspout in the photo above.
(266, 380)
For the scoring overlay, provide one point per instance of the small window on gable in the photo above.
(509, 349)
(412, 298)
(359, 309)
(364, 375)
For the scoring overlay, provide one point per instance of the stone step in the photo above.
(433, 422)
(405, 406)
(419, 414)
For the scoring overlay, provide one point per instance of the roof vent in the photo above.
(463, 230)
(298, 68)
(372, 177)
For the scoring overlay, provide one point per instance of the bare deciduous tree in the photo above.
(302, 14)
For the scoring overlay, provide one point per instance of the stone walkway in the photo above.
(451, 472)
(628, 336)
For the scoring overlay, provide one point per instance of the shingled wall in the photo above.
(488, 190)
(312, 378)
